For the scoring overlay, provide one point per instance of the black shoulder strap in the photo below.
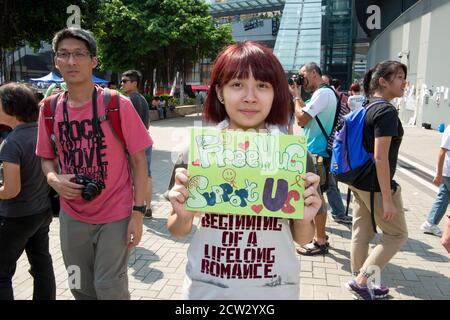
(324, 85)
(338, 107)
(321, 128)
(349, 198)
(372, 211)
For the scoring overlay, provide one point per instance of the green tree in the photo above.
(169, 35)
(29, 21)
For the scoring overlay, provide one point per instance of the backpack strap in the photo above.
(372, 211)
(336, 115)
(349, 198)
(323, 132)
(111, 101)
(49, 108)
(372, 192)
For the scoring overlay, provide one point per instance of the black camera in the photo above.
(92, 187)
(298, 79)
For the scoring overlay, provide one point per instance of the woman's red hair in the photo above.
(237, 61)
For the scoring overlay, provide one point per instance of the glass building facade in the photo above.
(337, 40)
(299, 37)
(320, 31)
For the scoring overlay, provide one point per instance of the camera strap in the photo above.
(95, 125)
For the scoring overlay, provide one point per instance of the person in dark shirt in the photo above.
(130, 85)
(383, 134)
(25, 213)
(112, 85)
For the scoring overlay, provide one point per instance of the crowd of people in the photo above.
(76, 143)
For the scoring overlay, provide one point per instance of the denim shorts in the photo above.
(148, 155)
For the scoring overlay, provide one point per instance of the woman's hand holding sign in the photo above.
(179, 193)
(303, 229)
(180, 221)
(311, 196)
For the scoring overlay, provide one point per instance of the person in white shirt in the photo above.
(442, 179)
(356, 100)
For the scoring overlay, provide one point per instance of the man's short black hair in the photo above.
(76, 33)
(19, 100)
(134, 75)
(336, 83)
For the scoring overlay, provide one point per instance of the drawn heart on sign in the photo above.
(257, 208)
(295, 159)
(244, 145)
(196, 163)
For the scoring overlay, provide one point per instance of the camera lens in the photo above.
(300, 80)
(90, 191)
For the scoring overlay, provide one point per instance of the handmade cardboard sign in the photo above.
(246, 173)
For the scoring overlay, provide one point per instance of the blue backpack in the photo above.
(350, 161)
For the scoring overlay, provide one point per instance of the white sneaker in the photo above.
(429, 228)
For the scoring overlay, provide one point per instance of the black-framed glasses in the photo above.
(77, 55)
(124, 81)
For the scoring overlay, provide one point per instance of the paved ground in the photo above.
(420, 271)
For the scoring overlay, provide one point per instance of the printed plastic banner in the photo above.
(246, 173)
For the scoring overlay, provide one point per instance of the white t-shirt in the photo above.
(355, 102)
(260, 263)
(445, 143)
(323, 105)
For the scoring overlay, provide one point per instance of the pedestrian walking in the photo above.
(383, 134)
(25, 213)
(442, 180)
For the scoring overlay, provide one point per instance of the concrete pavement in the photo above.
(421, 270)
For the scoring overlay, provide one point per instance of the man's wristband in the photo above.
(141, 209)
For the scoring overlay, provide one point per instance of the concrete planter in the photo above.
(179, 111)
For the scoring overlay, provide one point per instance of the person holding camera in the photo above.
(338, 212)
(25, 213)
(319, 111)
(102, 200)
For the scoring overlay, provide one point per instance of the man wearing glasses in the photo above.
(130, 85)
(102, 204)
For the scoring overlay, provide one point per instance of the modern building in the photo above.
(418, 37)
(299, 31)
(299, 37)
(25, 63)
(337, 34)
